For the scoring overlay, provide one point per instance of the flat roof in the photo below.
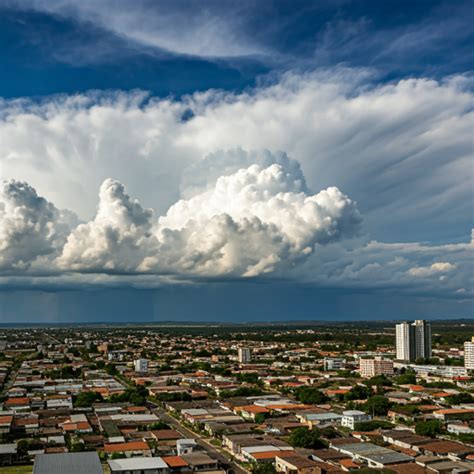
(72, 463)
(129, 464)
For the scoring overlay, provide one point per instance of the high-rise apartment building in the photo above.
(469, 354)
(141, 365)
(376, 366)
(244, 355)
(413, 340)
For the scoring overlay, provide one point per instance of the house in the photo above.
(351, 417)
(200, 462)
(176, 463)
(250, 412)
(7, 453)
(460, 428)
(77, 463)
(454, 414)
(185, 446)
(375, 456)
(138, 466)
(319, 419)
(296, 465)
(133, 448)
(5, 423)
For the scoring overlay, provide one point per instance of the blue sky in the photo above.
(302, 160)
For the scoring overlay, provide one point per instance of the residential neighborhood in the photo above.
(231, 399)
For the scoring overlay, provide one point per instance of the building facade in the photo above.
(413, 340)
(376, 366)
(334, 363)
(244, 355)
(141, 366)
(469, 354)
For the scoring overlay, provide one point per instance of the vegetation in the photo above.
(429, 428)
(242, 392)
(87, 399)
(377, 405)
(305, 438)
(136, 395)
(310, 395)
(359, 392)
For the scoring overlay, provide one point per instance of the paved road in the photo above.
(186, 432)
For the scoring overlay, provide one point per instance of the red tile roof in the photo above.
(121, 447)
(174, 461)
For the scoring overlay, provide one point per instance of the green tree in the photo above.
(310, 395)
(377, 405)
(408, 378)
(305, 438)
(429, 428)
(86, 399)
(459, 398)
(358, 392)
(263, 468)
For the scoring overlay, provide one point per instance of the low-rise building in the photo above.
(351, 417)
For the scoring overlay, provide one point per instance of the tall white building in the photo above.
(244, 355)
(141, 366)
(413, 340)
(404, 338)
(469, 354)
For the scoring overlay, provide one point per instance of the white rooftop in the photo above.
(130, 464)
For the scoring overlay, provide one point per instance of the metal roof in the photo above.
(130, 464)
(72, 463)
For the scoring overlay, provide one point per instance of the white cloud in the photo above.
(116, 240)
(205, 32)
(30, 226)
(433, 269)
(231, 205)
(402, 151)
(249, 223)
(252, 222)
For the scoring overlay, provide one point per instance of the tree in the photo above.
(86, 399)
(359, 392)
(372, 425)
(305, 438)
(379, 380)
(429, 428)
(310, 395)
(160, 425)
(408, 378)
(241, 392)
(263, 468)
(259, 418)
(459, 398)
(377, 405)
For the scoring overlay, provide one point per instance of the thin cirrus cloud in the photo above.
(161, 26)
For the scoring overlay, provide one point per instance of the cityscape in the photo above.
(237, 237)
(313, 398)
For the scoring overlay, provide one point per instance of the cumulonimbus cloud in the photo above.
(30, 226)
(249, 223)
(258, 221)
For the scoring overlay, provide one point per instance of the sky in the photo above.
(236, 161)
